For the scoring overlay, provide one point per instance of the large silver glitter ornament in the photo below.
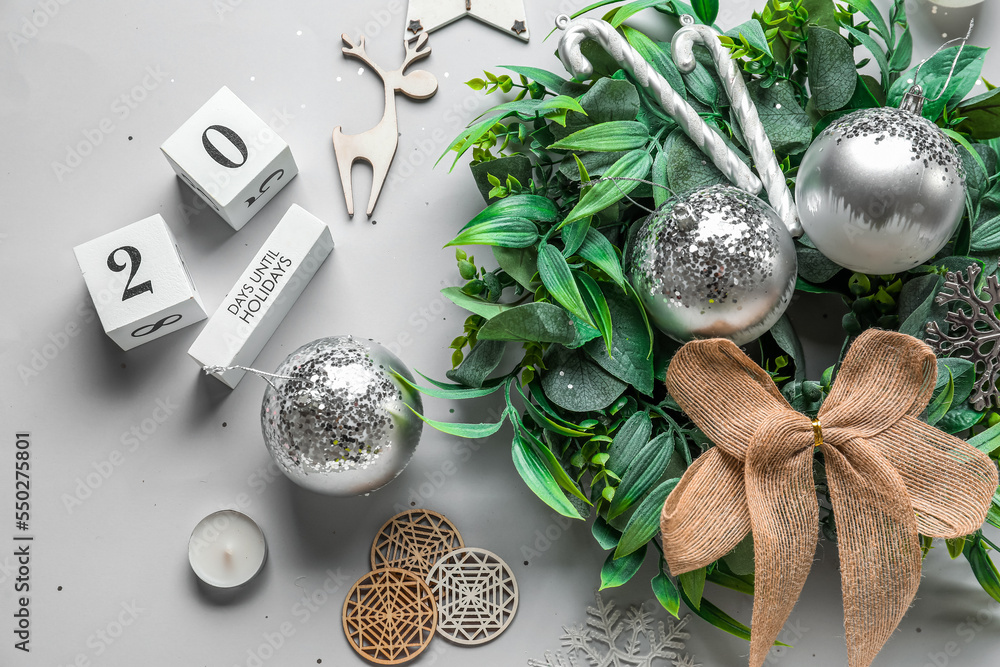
(336, 420)
(881, 190)
(714, 263)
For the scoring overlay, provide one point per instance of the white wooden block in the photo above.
(230, 157)
(139, 283)
(264, 294)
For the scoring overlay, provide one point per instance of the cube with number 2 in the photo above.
(230, 157)
(139, 283)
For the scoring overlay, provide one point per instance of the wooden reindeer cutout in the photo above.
(377, 146)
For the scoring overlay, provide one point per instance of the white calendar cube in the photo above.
(263, 295)
(139, 283)
(230, 157)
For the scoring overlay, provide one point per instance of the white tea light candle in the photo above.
(227, 549)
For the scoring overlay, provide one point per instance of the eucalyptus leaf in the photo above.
(478, 364)
(832, 75)
(540, 322)
(575, 383)
(687, 168)
(521, 264)
(814, 266)
(786, 123)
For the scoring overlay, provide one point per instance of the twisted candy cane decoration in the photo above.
(707, 139)
(746, 114)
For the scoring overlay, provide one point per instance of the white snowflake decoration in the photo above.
(608, 641)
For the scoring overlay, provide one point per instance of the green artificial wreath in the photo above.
(596, 433)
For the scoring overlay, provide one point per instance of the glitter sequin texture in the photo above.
(714, 262)
(341, 425)
(881, 191)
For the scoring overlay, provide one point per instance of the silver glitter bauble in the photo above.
(714, 263)
(341, 425)
(881, 191)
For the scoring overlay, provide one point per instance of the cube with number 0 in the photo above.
(139, 283)
(230, 157)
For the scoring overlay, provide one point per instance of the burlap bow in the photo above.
(891, 476)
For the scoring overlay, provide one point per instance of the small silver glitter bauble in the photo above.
(341, 425)
(714, 263)
(881, 190)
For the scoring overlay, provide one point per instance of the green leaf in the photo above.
(449, 391)
(934, 76)
(530, 207)
(575, 383)
(609, 100)
(645, 521)
(814, 266)
(702, 81)
(539, 322)
(597, 304)
(478, 364)
(642, 473)
(832, 74)
(544, 454)
(687, 168)
(573, 236)
(786, 338)
(617, 571)
(955, 546)
(869, 43)
(472, 431)
(666, 593)
(629, 439)
(597, 250)
(706, 10)
(473, 304)
(903, 54)
(619, 135)
(693, 585)
(538, 478)
(753, 33)
(605, 535)
(657, 55)
(627, 11)
(959, 419)
(629, 359)
(558, 280)
(785, 122)
(983, 567)
(719, 618)
(634, 164)
(963, 372)
(941, 401)
(562, 102)
(521, 264)
(506, 232)
(988, 441)
(868, 9)
(730, 581)
(982, 116)
(553, 82)
(821, 13)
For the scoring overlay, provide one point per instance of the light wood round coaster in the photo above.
(476, 595)
(414, 541)
(389, 616)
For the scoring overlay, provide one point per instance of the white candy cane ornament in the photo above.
(707, 139)
(682, 49)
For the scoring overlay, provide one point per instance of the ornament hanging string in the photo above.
(916, 90)
(217, 370)
(707, 139)
(892, 478)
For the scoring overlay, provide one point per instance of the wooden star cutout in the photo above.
(505, 15)
(414, 27)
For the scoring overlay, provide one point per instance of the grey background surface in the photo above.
(114, 550)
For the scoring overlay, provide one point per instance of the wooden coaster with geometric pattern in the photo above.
(414, 541)
(476, 595)
(389, 616)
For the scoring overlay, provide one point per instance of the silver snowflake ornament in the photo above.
(974, 333)
(608, 640)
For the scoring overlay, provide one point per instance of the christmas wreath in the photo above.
(562, 165)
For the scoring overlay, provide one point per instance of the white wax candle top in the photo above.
(227, 549)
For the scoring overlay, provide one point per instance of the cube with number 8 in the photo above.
(230, 157)
(139, 283)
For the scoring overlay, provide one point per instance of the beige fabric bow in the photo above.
(891, 477)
